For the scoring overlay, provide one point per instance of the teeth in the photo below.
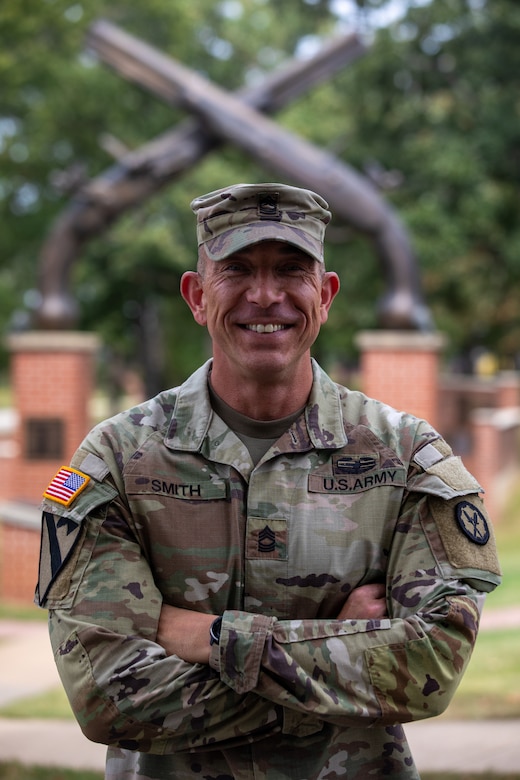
(269, 328)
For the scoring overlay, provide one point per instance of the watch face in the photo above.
(214, 631)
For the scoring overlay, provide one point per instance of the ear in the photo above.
(193, 293)
(329, 289)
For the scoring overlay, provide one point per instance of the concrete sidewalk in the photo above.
(27, 668)
(58, 743)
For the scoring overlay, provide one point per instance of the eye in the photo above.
(234, 267)
(294, 263)
(294, 267)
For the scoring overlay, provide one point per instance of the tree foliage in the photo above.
(430, 113)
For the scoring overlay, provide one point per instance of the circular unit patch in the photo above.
(472, 522)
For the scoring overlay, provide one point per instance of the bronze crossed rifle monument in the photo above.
(220, 117)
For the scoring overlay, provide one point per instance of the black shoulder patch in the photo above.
(59, 538)
(472, 522)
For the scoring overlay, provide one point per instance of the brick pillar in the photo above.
(485, 447)
(508, 384)
(20, 526)
(401, 368)
(52, 379)
(486, 455)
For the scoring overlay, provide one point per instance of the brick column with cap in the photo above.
(401, 368)
(52, 379)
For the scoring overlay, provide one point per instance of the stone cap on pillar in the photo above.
(23, 514)
(399, 340)
(501, 419)
(52, 341)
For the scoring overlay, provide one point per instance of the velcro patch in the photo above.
(66, 485)
(466, 533)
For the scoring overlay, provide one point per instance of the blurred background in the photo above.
(429, 113)
(426, 112)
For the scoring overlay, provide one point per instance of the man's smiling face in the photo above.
(263, 307)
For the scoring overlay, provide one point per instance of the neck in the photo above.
(267, 398)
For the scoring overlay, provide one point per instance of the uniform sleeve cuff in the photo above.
(238, 656)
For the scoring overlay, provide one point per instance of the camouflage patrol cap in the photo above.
(234, 217)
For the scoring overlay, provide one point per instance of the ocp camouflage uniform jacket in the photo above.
(174, 511)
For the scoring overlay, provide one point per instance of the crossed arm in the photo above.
(185, 633)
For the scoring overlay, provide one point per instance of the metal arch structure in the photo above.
(219, 117)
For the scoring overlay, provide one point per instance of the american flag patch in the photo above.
(66, 485)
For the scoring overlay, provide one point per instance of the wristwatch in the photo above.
(214, 631)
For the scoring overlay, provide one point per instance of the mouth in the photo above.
(269, 327)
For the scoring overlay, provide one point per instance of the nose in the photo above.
(265, 289)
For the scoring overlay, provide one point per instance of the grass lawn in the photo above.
(19, 772)
(491, 686)
(48, 705)
(508, 542)
(22, 612)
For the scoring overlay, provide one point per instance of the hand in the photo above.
(185, 633)
(367, 602)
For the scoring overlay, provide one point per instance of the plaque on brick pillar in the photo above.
(44, 438)
(401, 368)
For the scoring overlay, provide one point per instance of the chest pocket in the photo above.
(184, 522)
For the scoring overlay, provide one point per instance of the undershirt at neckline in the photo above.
(257, 435)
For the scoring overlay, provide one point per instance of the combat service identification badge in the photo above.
(66, 485)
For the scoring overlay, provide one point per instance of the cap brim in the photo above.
(241, 236)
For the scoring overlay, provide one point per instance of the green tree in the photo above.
(437, 105)
(62, 112)
(430, 113)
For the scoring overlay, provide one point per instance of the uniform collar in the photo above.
(193, 415)
(324, 412)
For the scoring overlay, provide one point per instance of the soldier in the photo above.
(261, 573)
